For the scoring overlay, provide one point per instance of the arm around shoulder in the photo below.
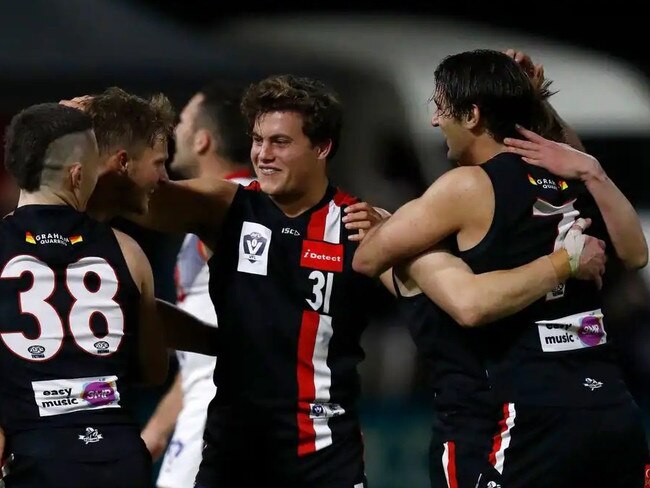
(477, 299)
(195, 206)
(422, 223)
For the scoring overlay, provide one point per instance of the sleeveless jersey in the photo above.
(68, 312)
(556, 351)
(291, 312)
(450, 354)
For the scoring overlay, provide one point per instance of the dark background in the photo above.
(616, 28)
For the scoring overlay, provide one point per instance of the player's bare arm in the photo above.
(161, 424)
(361, 217)
(620, 217)
(153, 357)
(444, 209)
(487, 297)
(184, 332)
(196, 206)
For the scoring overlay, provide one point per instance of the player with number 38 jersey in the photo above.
(77, 311)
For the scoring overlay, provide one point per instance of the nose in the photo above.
(162, 174)
(266, 152)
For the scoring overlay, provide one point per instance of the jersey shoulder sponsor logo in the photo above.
(52, 238)
(548, 184)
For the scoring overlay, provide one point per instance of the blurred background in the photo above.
(382, 62)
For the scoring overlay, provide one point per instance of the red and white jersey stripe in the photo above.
(314, 375)
(502, 439)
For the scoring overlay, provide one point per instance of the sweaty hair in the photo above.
(123, 120)
(220, 114)
(498, 86)
(46, 137)
(318, 104)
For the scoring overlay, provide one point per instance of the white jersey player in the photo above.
(183, 455)
(211, 141)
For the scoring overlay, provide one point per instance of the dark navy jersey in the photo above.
(466, 410)
(451, 353)
(68, 311)
(555, 352)
(291, 312)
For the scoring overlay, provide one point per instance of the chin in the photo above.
(270, 188)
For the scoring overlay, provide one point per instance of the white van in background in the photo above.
(383, 66)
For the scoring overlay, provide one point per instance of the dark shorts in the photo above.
(105, 457)
(459, 451)
(245, 462)
(538, 447)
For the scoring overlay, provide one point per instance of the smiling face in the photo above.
(458, 135)
(286, 162)
(145, 173)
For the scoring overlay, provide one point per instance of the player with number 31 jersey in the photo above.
(288, 282)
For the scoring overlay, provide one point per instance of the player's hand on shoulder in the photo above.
(558, 158)
(586, 253)
(360, 217)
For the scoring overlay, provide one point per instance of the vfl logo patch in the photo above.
(254, 243)
(325, 410)
(322, 255)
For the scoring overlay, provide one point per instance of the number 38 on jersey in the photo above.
(51, 327)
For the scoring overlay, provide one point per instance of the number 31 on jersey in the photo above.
(321, 291)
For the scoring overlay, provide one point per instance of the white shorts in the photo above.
(183, 455)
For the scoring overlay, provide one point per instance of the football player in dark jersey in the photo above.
(551, 369)
(291, 309)
(78, 315)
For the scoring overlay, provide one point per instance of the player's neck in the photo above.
(484, 150)
(103, 205)
(294, 205)
(47, 196)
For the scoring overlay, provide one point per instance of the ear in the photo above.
(76, 175)
(201, 141)
(323, 149)
(118, 162)
(473, 118)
